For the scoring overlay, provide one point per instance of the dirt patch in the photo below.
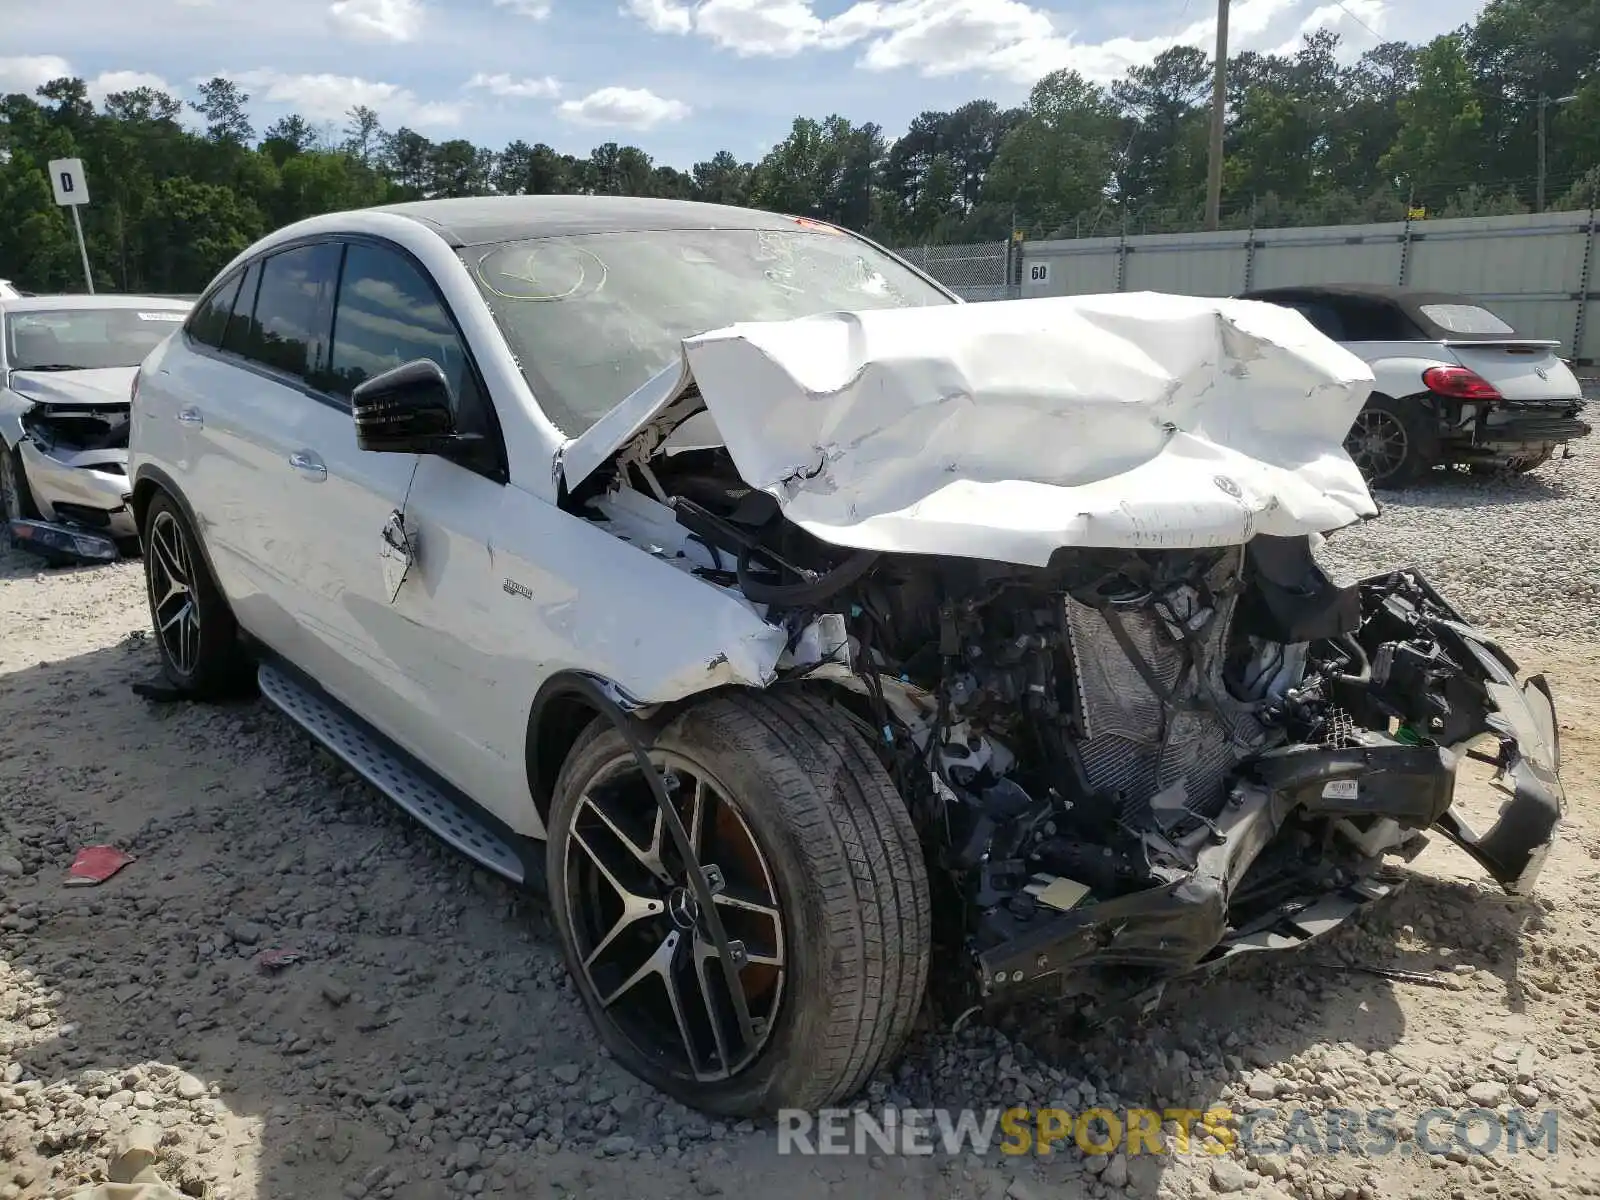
(426, 1042)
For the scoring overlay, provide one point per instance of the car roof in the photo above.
(475, 220)
(1405, 297)
(1413, 302)
(79, 300)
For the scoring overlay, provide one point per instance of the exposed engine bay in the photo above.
(1126, 763)
(66, 429)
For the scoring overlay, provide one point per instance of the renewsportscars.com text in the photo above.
(1214, 1131)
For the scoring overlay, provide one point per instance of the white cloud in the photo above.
(330, 97)
(663, 16)
(1359, 24)
(943, 37)
(1010, 38)
(516, 89)
(537, 10)
(774, 28)
(107, 82)
(378, 20)
(28, 72)
(629, 108)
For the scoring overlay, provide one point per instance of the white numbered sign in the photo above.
(1039, 273)
(66, 179)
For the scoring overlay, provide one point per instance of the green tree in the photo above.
(1058, 161)
(1439, 147)
(222, 104)
(722, 179)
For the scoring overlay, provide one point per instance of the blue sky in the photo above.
(681, 78)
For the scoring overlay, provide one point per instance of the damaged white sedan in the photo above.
(66, 366)
(789, 620)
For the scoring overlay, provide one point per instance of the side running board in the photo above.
(370, 755)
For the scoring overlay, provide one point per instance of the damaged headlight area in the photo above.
(75, 458)
(1128, 764)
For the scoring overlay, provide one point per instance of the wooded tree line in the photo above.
(1312, 138)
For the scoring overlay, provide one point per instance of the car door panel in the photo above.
(512, 590)
(373, 653)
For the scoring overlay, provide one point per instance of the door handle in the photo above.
(190, 415)
(308, 465)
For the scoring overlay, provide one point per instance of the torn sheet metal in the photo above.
(1006, 431)
(397, 552)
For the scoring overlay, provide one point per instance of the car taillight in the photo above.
(1459, 383)
(133, 390)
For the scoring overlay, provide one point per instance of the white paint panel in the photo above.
(1008, 431)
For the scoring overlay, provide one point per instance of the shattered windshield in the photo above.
(82, 339)
(591, 317)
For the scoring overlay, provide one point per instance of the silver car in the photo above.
(67, 365)
(1455, 383)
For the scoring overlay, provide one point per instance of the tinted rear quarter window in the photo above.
(239, 335)
(1375, 321)
(210, 320)
(1324, 319)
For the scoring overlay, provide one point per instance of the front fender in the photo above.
(11, 410)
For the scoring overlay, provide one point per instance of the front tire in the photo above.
(194, 628)
(823, 883)
(16, 497)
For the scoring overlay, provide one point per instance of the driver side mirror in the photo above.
(407, 409)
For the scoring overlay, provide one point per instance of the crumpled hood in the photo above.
(1009, 430)
(103, 385)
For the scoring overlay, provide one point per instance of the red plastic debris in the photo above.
(276, 960)
(96, 864)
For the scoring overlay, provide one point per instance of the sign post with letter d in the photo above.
(66, 180)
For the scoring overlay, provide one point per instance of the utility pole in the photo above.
(1544, 104)
(1219, 101)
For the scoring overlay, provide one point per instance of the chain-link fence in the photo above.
(974, 272)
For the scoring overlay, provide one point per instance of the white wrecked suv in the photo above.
(786, 618)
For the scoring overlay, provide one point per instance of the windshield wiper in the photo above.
(54, 367)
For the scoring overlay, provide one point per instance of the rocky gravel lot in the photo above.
(426, 1043)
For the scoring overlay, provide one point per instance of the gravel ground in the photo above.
(1519, 553)
(427, 1044)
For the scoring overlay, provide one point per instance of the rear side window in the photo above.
(239, 334)
(388, 313)
(210, 320)
(1376, 321)
(1322, 317)
(286, 330)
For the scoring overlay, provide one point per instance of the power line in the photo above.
(1347, 12)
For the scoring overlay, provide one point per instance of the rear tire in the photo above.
(194, 628)
(842, 866)
(1392, 442)
(16, 497)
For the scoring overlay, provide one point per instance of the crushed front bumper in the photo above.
(87, 488)
(1197, 920)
